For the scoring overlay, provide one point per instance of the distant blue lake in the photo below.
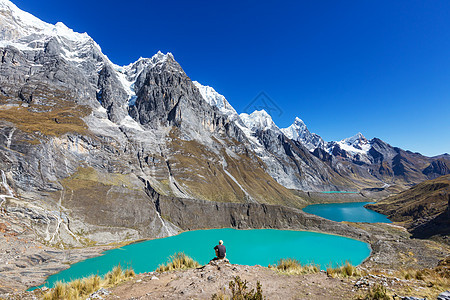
(351, 212)
(246, 247)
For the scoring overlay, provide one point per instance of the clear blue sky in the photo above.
(378, 67)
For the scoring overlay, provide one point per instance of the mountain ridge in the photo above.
(88, 147)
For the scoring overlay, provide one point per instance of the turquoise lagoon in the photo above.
(351, 212)
(246, 247)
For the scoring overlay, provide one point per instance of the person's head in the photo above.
(220, 242)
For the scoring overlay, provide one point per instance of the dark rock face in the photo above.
(167, 97)
(337, 151)
(111, 94)
(437, 168)
(190, 214)
(322, 155)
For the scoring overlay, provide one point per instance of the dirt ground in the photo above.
(213, 278)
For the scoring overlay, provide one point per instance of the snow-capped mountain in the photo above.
(355, 148)
(28, 33)
(355, 144)
(17, 24)
(148, 141)
(258, 120)
(299, 132)
(215, 99)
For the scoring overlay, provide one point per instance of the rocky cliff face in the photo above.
(88, 147)
(82, 138)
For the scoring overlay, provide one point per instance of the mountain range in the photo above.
(92, 152)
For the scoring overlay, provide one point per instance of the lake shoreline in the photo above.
(273, 245)
(41, 261)
(202, 282)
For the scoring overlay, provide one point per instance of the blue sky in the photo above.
(378, 67)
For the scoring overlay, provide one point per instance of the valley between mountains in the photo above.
(94, 155)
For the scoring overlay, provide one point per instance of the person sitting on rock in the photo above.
(221, 251)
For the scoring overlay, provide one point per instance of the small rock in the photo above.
(210, 277)
(139, 280)
(99, 294)
(154, 278)
(444, 296)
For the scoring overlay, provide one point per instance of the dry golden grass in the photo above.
(292, 266)
(346, 270)
(201, 171)
(437, 279)
(221, 295)
(52, 112)
(376, 292)
(178, 261)
(81, 288)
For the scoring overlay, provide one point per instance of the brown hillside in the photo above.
(423, 209)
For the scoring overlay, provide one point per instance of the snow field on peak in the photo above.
(217, 100)
(296, 130)
(259, 119)
(353, 150)
(30, 24)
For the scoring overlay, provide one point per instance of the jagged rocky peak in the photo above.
(258, 120)
(128, 74)
(134, 69)
(356, 141)
(215, 99)
(298, 131)
(23, 30)
(355, 145)
(165, 96)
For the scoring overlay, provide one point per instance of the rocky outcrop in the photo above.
(437, 168)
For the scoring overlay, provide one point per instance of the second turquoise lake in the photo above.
(350, 212)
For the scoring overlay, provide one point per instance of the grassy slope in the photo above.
(420, 207)
(201, 172)
(55, 116)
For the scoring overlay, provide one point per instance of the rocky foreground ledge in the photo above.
(212, 281)
(218, 279)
